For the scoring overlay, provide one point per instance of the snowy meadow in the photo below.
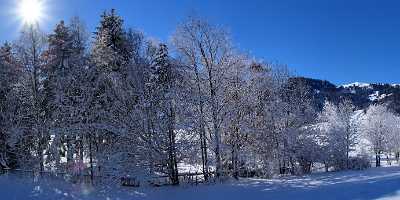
(376, 183)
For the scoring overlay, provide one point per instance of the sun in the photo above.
(30, 11)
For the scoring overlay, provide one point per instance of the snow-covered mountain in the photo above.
(361, 94)
(356, 84)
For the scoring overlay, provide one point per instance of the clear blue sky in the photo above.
(340, 40)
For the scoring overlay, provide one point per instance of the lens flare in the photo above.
(31, 11)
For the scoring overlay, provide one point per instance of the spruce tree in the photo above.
(163, 96)
(110, 46)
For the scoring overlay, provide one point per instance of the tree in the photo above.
(333, 136)
(236, 102)
(79, 35)
(110, 47)
(162, 101)
(56, 69)
(297, 112)
(349, 127)
(10, 73)
(377, 126)
(29, 49)
(261, 99)
(112, 96)
(208, 51)
(64, 64)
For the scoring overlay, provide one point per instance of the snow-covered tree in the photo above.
(297, 112)
(64, 67)
(29, 48)
(339, 130)
(10, 73)
(79, 34)
(112, 110)
(333, 136)
(209, 52)
(237, 110)
(110, 49)
(348, 122)
(161, 100)
(379, 124)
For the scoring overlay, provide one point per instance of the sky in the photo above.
(341, 41)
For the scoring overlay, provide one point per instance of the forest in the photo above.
(117, 103)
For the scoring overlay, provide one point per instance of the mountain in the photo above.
(361, 94)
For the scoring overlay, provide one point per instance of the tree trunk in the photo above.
(70, 153)
(40, 151)
(203, 137)
(217, 136)
(236, 147)
(347, 150)
(217, 151)
(203, 146)
(81, 149)
(326, 167)
(173, 165)
(91, 158)
(234, 162)
(377, 159)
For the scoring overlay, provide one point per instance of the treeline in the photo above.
(122, 104)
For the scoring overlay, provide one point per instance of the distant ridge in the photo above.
(361, 94)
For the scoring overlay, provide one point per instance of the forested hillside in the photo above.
(361, 95)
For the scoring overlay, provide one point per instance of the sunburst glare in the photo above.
(31, 11)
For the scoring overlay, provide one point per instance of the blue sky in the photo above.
(341, 41)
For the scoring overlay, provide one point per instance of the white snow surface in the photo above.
(376, 96)
(356, 84)
(375, 183)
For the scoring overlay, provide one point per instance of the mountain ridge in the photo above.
(361, 94)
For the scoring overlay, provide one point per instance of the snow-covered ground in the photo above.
(375, 183)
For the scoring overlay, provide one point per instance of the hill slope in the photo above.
(361, 94)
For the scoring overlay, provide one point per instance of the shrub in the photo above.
(359, 163)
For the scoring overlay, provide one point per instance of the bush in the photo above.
(359, 163)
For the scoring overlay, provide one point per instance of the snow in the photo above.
(376, 96)
(376, 183)
(384, 96)
(357, 84)
(191, 168)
